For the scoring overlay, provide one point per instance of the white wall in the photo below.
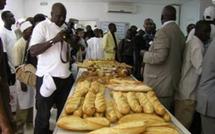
(16, 7)
(97, 11)
(190, 12)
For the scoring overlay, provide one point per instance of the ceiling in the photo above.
(171, 1)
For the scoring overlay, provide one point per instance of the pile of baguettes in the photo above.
(125, 111)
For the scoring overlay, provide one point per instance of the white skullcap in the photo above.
(25, 25)
(209, 13)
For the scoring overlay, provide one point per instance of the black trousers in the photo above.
(44, 104)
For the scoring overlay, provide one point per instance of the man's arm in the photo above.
(42, 47)
(159, 51)
(4, 122)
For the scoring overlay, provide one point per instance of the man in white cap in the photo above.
(25, 93)
(209, 16)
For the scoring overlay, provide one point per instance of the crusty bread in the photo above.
(82, 87)
(79, 111)
(76, 123)
(110, 112)
(161, 130)
(121, 102)
(136, 127)
(132, 127)
(105, 130)
(129, 87)
(100, 102)
(133, 102)
(144, 102)
(98, 120)
(89, 104)
(72, 104)
(158, 107)
(152, 118)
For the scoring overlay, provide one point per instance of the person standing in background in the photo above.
(26, 93)
(109, 43)
(185, 96)
(163, 61)
(94, 48)
(125, 49)
(8, 38)
(5, 109)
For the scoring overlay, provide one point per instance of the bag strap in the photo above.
(67, 53)
(26, 53)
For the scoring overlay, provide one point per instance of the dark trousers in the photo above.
(44, 104)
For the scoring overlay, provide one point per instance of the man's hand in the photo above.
(24, 87)
(59, 37)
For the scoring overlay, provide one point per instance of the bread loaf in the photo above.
(144, 102)
(79, 111)
(76, 123)
(133, 102)
(158, 107)
(152, 118)
(82, 87)
(121, 102)
(160, 130)
(125, 128)
(110, 113)
(89, 104)
(100, 103)
(72, 104)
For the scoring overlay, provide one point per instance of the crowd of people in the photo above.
(180, 69)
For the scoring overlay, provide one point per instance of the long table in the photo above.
(58, 130)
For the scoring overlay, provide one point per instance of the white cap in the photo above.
(48, 86)
(25, 25)
(209, 13)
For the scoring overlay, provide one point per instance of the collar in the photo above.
(167, 22)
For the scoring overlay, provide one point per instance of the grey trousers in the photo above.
(208, 124)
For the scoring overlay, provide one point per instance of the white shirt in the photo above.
(8, 38)
(49, 62)
(94, 49)
(191, 69)
(167, 22)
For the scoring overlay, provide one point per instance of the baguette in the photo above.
(72, 104)
(149, 118)
(118, 114)
(133, 102)
(89, 104)
(100, 103)
(82, 87)
(161, 130)
(132, 127)
(144, 102)
(158, 107)
(79, 111)
(129, 87)
(94, 87)
(121, 102)
(110, 113)
(76, 123)
(125, 128)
